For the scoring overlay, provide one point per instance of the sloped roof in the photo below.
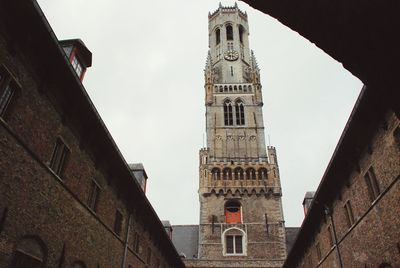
(291, 233)
(186, 240)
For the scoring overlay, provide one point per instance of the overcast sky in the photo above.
(147, 84)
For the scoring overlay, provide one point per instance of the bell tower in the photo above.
(241, 219)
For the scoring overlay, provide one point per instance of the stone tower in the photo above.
(241, 219)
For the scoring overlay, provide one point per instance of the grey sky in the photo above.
(147, 84)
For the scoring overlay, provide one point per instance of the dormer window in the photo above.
(76, 65)
(78, 56)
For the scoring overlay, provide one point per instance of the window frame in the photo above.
(372, 184)
(243, 240)
(8, 84)
(94, 194)
(349, 214)
(118, 222)
(59, 157)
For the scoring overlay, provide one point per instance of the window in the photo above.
(28, 253)
(227, 174)
(250, 174)
(93, 195)
(228, 116)
(76, 65)
(229, 32)
(118, 222)
(234, 244)
(59, 157)
(239, 107)
(78, 264)
(372, 184)
(330, 236)
(318, 248)
(239, 174)
(217, 36)
(216, 174)
(234, 241)
(262, 174)
(8, 90)
(349, 214)
(241, 31)
(233, 213)
(136, 241)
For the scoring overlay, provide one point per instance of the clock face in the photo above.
(231, 55)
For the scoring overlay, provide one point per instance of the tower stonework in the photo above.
(241, 218)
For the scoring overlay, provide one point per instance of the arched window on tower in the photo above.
(227, 174)
(250, 174)
(216, 174)
(262, 174)
(241, 32)
(239, 174)
(29, 252)
(239, 107)
(228, 116)
(217, 36)
(233, 211)
(229, 32)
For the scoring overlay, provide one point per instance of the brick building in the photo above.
(67, 196)
(353, 219)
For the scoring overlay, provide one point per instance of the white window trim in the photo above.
(244, 243)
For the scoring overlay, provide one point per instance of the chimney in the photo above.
(78, 55)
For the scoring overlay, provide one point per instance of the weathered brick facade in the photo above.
(49, 212)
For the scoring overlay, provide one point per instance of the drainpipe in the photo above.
(329, 213)
(128, 229)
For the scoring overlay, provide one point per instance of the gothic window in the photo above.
(245, 88)
(239, 107)
(235, 88)
(216, 173)
(349, 214)
(239, 174)
(221, 89)
(241, 31)
(228, 116)
(227, 174)
(225, 88)
(230, 87)
(262, 174)
(229, 32)
(372, 184)
(93, 195)
(8, 90)
(233, 213)
(217, 36)
(250, 174)
(234, 242)
(59, 157)
(29, 253)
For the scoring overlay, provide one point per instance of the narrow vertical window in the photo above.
(318, 248)
(231, 71)
(8, 91)
(229, 244)
(118, 222)
(349, 214)
(239, 107)
(330, 236)
(217, 36)
(241, 31)
(136, 242)
(372, 184)
(228, 117)
(59, 157)
(229, 32)
(93, 195)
